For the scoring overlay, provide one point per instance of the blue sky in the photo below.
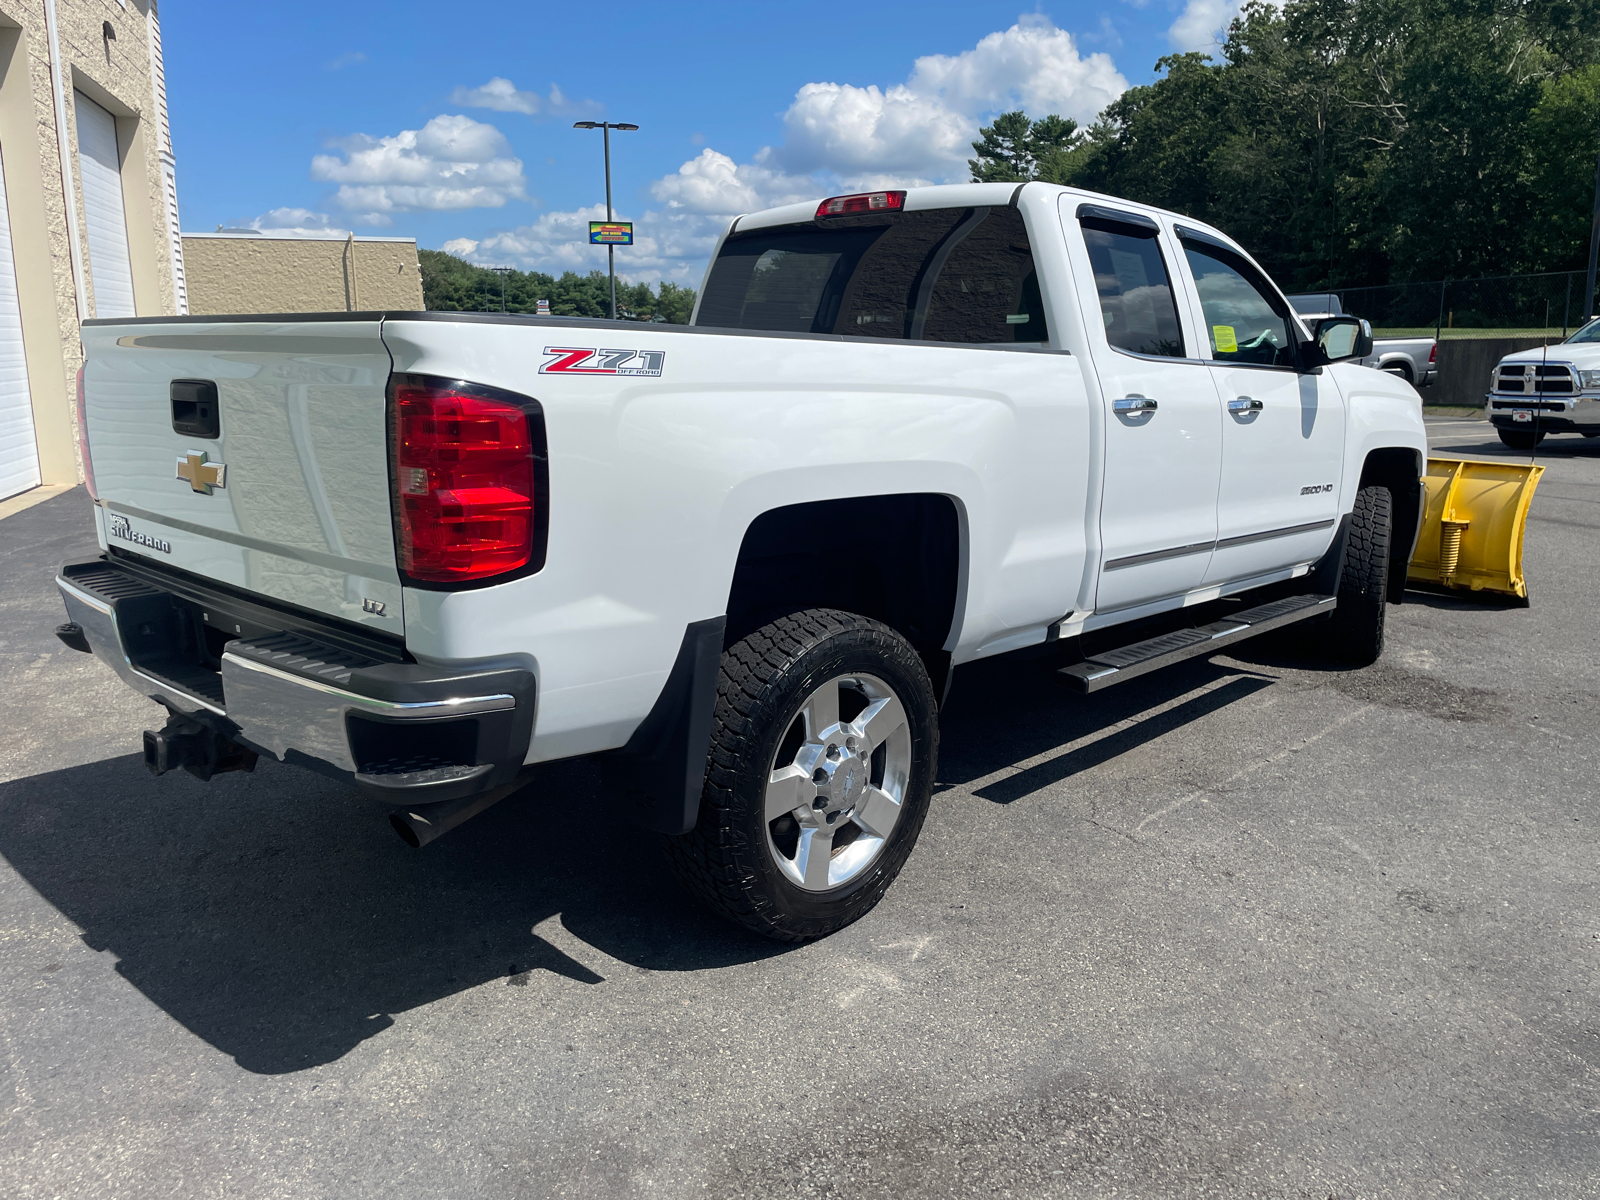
(453, 124)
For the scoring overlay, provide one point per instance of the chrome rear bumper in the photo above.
(402, 730)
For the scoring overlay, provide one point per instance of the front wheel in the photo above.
(1518, 440)
(823, 751)
(1355, 627)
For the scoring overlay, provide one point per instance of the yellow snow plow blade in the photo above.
(1473, 524)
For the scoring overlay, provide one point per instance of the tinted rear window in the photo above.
(946, 274)
(1136, 298)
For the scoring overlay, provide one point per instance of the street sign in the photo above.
(544, 308)
(611, 233)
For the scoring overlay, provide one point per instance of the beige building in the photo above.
(88, 210)
(241, 271)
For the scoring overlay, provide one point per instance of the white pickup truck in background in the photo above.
(1413, 359)
(738, 560)
(1548, 389)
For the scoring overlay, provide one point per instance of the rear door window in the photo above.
(1136, 300)
(1245, 319)
(947, 274)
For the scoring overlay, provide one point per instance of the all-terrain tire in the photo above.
(728, 860)
(1519, 440)
(1355, 628)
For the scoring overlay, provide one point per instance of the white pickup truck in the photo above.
(1415, 359)
(737, 560)
(1549, 389)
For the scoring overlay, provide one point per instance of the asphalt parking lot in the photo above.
(1251, 927)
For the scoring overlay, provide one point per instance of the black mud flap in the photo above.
(662, 769)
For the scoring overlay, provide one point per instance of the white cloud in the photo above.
(714, 184)
(925, 126)
(1203, 24)
(349, 58)
(460, 247)
(295, 222)
(837, 138)
(452, 162)
(1032, 63)
(845, 129)
(504, 96)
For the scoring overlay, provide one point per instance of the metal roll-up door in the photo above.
(19, 455)
(109, 266)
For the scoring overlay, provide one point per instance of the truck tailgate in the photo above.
(290, 498)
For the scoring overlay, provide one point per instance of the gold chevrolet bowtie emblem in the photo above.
(202, 476)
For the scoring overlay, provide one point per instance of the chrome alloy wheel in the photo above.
(837, 782)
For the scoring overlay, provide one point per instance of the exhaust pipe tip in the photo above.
(403, 825)
(420, 824)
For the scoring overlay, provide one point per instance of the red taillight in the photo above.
(861, 202)
(1433, 353)
(465, 479)
(83, 441)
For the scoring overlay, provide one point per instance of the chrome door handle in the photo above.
(1243, 405)
(1133, 404)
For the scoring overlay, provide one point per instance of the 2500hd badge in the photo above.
(121, 529)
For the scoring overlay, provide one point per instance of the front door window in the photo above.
(1243, 323)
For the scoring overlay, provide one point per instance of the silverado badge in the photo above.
(122, 528)
(202, 476)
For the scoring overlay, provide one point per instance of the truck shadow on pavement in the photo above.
(1002, 714)
(278, 917)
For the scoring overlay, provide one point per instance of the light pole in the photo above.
(611, 251)
(502, 272)
(1594, 247)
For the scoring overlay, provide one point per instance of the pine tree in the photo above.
(1014, 149)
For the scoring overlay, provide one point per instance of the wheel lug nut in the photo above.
(819, 776)
(851, 745)
(833, 752)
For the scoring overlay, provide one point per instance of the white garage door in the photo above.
(109, 267)
(19, 457)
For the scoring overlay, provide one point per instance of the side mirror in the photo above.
(1340, 338)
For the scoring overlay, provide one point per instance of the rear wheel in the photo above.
(1518, 440)
(821, 771)
(1355, 627)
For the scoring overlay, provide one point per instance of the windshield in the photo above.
(1589, 333)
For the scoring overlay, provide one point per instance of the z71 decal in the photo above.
(582, 360)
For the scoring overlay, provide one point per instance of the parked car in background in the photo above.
(1413, 359)
(1548, 389)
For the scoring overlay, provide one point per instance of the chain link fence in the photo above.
(1538, 306)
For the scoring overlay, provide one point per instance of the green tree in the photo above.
(1014, 149)
(452, 284)
(1564, 137)
(1351, 142)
